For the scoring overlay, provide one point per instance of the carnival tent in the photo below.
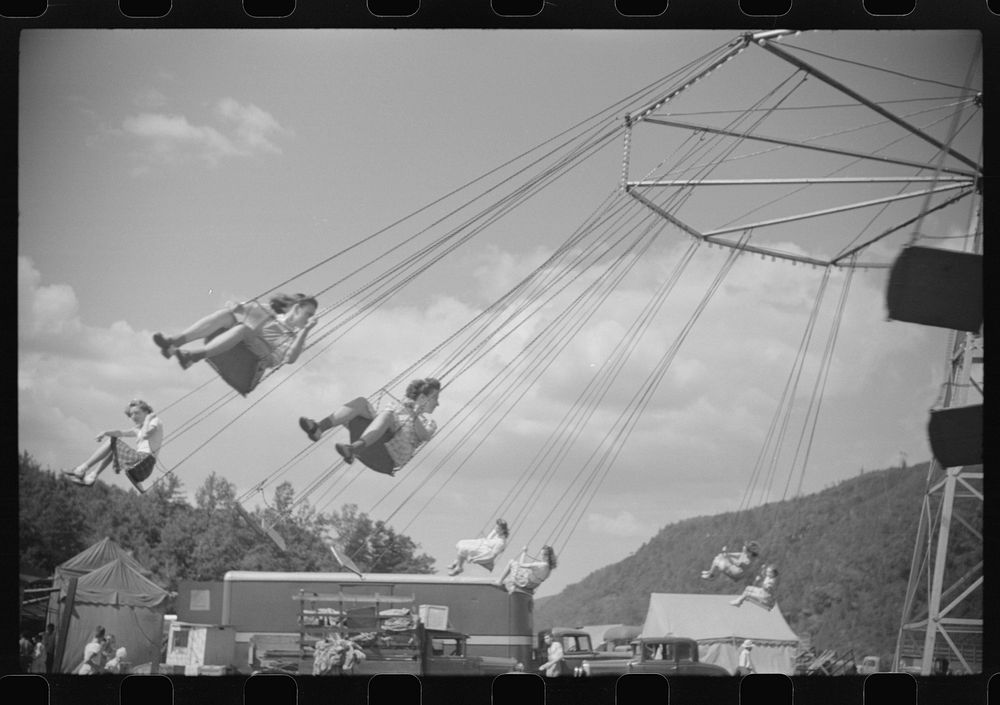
(720, 629)
(127, 604)
(91, 558)
(100, 553)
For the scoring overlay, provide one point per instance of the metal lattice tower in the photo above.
(942, 612)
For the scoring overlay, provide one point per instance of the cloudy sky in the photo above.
(164, 173)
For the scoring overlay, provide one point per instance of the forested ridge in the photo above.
(844, 557)
(177, 540)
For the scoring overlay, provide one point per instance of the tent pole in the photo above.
(65, 616)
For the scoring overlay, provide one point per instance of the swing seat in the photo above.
(263, 531)
(759, 603)
(374, 456)
(935, 287)
(956, 435)
(239, 366)
(342, 558)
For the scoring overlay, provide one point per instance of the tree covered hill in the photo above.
(843, 554)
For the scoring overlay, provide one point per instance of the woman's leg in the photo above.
(218, 345)
(376, 429)
(205, 327)
(347, 413)
(91, 477)
(341, 417)
(103, 452)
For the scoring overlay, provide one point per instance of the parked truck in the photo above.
(667, 655)
(420, 651)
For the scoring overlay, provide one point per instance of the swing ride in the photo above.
(749, 182)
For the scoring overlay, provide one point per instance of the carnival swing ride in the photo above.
(821, 182)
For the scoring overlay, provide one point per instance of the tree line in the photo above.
(177, 540)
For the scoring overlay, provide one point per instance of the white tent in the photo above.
(720, 629)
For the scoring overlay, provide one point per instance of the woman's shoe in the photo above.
(165, 344)
(79, 471)
(346, 452)
(311, 428)
(184, 358)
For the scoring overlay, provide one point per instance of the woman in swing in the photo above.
(137, 463)
(275, 336)
(762, 591)
(733, 565)
(526, 573)
(481, 551)
(402, 429)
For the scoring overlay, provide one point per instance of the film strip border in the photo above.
(844, 14)
(513, 689)
(509, 689)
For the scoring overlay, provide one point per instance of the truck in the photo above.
(419, 650)
(666, 655)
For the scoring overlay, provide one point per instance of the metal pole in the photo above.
(795, 61)
(968, 180)
(828, 211)
(65, 616)
(806, 145)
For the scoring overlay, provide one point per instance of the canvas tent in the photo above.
(101, 553)
(127, 604)
(91, 558)
(720, 628)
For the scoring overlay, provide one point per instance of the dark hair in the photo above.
(280, 303)
(99, 632)
(422, 386)
(141, 404)
(502, 526)
(550, 555)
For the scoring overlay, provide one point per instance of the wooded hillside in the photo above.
(844, 557)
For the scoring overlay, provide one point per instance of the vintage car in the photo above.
(667, 655)
(576, 646)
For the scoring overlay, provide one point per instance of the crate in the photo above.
(198, 644)
(434, 616)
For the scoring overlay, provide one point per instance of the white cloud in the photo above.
(254, 127)
(243, 131)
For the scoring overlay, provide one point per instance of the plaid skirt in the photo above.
(137, 466)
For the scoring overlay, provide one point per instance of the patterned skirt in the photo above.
(137, 466)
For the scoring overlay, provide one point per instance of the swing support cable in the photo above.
(629, 418)
(549, 342)
(795, 61)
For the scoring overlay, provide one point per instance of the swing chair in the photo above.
(263, 530)
(239, 366)
(373, 456)
(935, 287)
(956, 435)
(341, 556)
